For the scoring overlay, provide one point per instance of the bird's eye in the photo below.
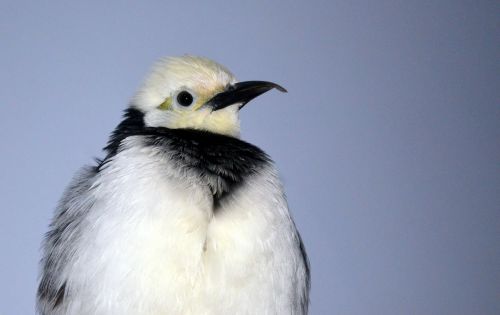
(184, 98)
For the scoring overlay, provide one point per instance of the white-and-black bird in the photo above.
(181, 216)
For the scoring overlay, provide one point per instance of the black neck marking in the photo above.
(222, 162)
(132, 124)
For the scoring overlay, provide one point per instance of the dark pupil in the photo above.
(184, 98)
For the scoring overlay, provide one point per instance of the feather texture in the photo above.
(175, 222)
(180, 217)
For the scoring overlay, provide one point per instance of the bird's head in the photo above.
(196, 93)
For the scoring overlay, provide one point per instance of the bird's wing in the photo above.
(304, 291)
(64, 231)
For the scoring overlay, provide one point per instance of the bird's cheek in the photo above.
(195, 119)
(225, 121)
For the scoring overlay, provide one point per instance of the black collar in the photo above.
(222, 162)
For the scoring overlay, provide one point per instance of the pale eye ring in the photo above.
(184, 98)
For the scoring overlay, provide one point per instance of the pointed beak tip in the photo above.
(280, 88)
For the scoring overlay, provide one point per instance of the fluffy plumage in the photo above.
(176, 219)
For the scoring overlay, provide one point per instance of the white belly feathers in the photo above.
(154, 243)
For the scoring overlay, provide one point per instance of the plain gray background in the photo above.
(388, 141)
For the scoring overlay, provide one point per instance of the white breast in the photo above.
(154, 246)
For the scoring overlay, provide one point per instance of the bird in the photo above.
(181, 216)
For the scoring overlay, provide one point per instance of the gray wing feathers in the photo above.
(304, 296)
(65, 229)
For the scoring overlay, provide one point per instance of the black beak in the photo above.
(242, 92)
